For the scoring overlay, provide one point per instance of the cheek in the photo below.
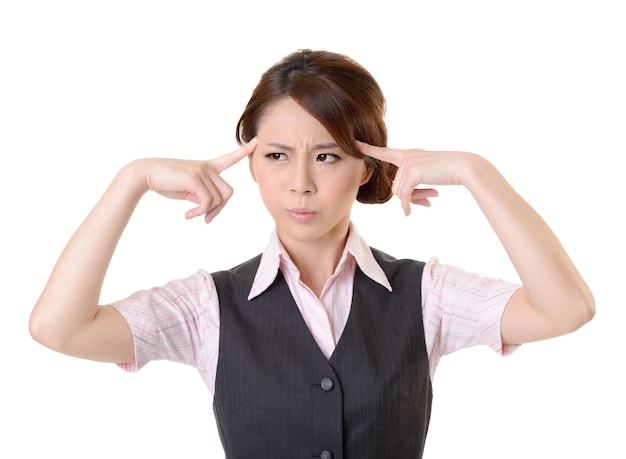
(269, 183)
(264, 178)
(346, 187)
(257, 170)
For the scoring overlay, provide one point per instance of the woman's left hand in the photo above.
(420, 167)
(554, 299)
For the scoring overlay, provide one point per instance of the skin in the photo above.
(67, 317)
(554, 299)
(308, 186)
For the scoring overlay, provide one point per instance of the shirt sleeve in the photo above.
(178, 322)
(462, 309)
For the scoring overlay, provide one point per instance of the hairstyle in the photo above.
(342, 95)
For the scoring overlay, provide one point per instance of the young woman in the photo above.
(320, 346)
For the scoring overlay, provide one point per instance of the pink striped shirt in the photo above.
(180, 321)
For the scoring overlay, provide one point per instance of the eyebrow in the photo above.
(318, 146)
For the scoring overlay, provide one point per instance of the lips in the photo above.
(301, 214)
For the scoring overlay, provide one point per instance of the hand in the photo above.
(196, 181)
(554, 299)
(419, 167)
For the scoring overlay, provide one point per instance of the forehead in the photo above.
(287, 119)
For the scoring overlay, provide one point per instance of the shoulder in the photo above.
(240, 277)
(242, 269)
(394, 267)
(443, 276)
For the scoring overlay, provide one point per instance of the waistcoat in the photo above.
(277, 395)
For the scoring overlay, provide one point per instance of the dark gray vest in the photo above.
(276, 394)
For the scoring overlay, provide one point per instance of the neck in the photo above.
(317, 260)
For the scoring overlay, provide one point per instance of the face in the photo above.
(307, 183)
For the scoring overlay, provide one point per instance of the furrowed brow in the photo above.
(280, 146)
(319, 146)
(325, 146)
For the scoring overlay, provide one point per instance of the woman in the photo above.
(321, 346)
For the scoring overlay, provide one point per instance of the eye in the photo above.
(327, 158)
(276, 156)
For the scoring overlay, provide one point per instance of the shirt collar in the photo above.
(275, 256)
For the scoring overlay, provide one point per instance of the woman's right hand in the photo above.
(195, 181)
(67, 316)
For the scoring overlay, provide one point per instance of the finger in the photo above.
(204, 206)
(212, 194)
(405, 198)
(224, 193)
(389, 155)
(204, 194)
(222, 163)
(209, 216)
(423, 193)
(403, 187)
(212, 205)
(212, 213)
(421, 202)
(420, 196)
(406, 206)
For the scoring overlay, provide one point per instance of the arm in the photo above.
(554, 299)
(67, 317)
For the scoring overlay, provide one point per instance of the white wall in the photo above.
(537, 87)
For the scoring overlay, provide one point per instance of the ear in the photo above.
(251, 166)
(368, 172)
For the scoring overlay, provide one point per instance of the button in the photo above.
(327, 385)
(326, 454)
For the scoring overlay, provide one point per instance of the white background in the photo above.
(537, 87)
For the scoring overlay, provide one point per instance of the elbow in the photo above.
(37, 329)
(589, 309)
(44, 333)
(583, 311)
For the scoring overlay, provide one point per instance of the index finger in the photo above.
(389, 155)
(222, 163)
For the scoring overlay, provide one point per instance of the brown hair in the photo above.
(340, 94)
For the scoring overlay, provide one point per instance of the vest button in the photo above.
(327, 385)
(326, 455)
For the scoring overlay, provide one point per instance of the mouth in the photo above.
(301, 214)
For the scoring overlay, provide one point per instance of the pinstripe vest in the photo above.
(276, 394)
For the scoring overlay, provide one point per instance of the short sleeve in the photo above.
(178, 322)
(462, 309)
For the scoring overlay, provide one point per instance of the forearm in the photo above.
(552, 284)
(70, 299)
(554, 299)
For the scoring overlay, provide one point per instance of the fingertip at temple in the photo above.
(367, 149)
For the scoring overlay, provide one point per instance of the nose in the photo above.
(302, 181)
